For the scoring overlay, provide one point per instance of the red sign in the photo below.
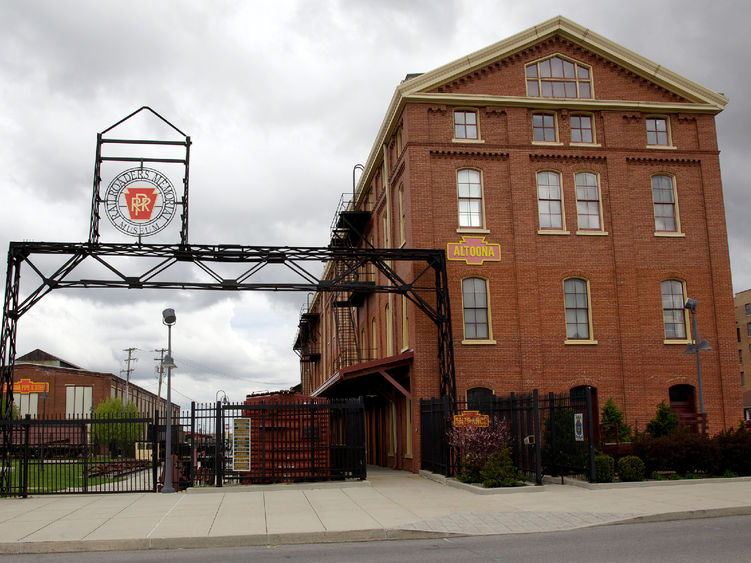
(140, 202)
(471, 419)
(26, 386)
(473, 250)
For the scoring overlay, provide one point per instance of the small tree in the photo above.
(476, 445)
(116, 436)
(15, 414)
(615, 423)
(664, 423)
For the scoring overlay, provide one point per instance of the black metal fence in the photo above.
(552, 434)
(273, 439)
(71, 456)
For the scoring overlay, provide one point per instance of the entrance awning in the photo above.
(356, 380)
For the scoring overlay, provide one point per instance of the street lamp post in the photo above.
(698, 345)
(168, 318)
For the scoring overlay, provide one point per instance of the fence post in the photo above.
(590, 429)
(218, 445)
(553, 444)
(155, 451)
(538, 438)
(85, 465)
(25, 475)
(192, 475)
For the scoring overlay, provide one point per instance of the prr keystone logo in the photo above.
(140, 202)
(473, 250)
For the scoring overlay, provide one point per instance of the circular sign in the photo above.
(140, 202)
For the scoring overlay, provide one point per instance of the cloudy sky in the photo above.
(281, 99)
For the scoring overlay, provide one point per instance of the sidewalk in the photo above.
(389, 505)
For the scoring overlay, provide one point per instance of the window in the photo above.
(475, 298)
(479, 399)
(405, 324)
(402, 233)
(469, 188)
(748, 329)
(581, 129)
(549, 205)
(740, 356)
(28, 404)
(465, 124)
(657, 132)
(738, 333)
(374, 338)
(748, 308)
(576, 296)
(558, 78)
(543, 127)
(743, 380)
(673, 313)
(389, 331)
(663, 196)
(588, 202)
(78, 401)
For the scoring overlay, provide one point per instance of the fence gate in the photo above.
(87, 455)
(274, 439)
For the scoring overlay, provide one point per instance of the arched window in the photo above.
(665, 204)
(479, 399)
(556, 77)
(469, 190)
(673, 312)
(549, 201)
(475, 301)
(588, 202)
(576, 295)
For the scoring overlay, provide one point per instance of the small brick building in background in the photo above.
(72, 392)
(596, 172)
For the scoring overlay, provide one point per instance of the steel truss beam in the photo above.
(430, 296)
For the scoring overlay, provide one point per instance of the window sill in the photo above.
(552, 232)
(404, 242)
(682, 341)
(473, 230)
(579, 342)
(592, 233)
(548, 143)
(669, 234)
(596, 145)
(662, 147)
(478, 342)
(404, 349)
(474, 141)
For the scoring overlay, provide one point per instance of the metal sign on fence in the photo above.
(579, 426)
(241, 444)
(471, 419)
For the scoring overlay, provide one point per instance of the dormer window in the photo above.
(556, 77)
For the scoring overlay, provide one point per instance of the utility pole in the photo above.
(160, 371)
(128, 371)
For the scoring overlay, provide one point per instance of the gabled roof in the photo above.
(44, 358)
(417, 87)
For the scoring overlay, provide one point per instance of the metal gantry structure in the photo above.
(185, 266)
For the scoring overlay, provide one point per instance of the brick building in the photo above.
(47, 386)
(575, 186)
(743, 329)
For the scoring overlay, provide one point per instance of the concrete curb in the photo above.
(477, 489)
(640, 484)
(141, 544)
(307, 486)
(685, 515)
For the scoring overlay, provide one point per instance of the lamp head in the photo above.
(690, 305)
(168, 317)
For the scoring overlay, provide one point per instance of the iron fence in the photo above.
(553, 434)
(78, 455)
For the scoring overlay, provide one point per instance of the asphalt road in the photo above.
(711, 539)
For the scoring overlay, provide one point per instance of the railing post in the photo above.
(218, 445)
(25, 475)
(590, 429)
(538, 438)
(155, 451)
(192, 475)
(85, 464)
(553, 444)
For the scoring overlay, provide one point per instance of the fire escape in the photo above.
(307, 346)
(347, 232)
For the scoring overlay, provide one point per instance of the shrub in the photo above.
(614, 423)
(680, 452)
(476, 445)
(499, 471)
(565, 453)
(734, 451)
(605, 467)
(664, 423)
(631, 468)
